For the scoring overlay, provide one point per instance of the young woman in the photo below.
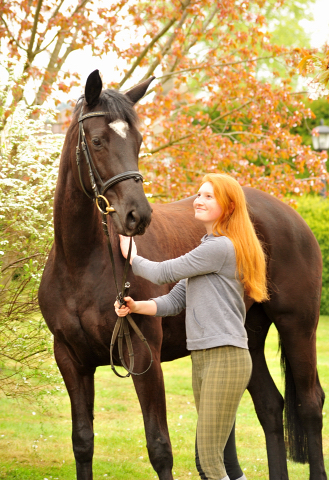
(212, 280)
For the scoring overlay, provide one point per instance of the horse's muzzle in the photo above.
(136, 223)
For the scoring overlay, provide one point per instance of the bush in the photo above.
(315, 211)
(29, 156)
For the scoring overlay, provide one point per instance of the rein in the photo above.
(121, 328)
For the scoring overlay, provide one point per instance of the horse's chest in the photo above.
(86, 329)
(88, 294)
(81, 313)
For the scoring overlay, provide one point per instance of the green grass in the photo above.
(37, 446)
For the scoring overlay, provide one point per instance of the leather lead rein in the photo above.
(121, 328)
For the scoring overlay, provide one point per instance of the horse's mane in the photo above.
(118, 106)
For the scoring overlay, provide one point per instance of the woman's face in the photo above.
(206, 208)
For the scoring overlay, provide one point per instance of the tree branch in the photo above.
(204, 27)
(168, 44)
(55, 64)
(177, 140)
(39, 50)
(79, 7)
(199, 67)
(70, 48)
(146, 50)
(50, 69)
(192, 43)
(229, 134)
(20, 360)
(20, 260)
(228, 113)
(56, 10)
(190, 27)
(11, 35)
(30, 55)
(19, 291)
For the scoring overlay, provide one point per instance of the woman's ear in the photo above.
(231, 207)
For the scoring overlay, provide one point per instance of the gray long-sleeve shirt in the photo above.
(207, 287)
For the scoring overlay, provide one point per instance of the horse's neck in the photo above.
(77, 224)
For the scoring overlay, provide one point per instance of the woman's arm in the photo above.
(167, 305)
(144, 307)
(207, 258)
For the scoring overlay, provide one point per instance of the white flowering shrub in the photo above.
(316, 90)
(29, 158)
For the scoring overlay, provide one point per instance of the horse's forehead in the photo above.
(120, 127)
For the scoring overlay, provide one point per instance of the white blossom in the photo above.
(316, 90)
(29, 159)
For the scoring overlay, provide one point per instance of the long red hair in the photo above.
(235, 224)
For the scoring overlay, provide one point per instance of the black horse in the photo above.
(77, 291)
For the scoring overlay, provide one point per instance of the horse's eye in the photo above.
(96, 141)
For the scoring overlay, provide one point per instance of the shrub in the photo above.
(29, 155)
(315, 211)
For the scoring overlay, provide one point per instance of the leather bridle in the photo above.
(92, 170)
(121, 328)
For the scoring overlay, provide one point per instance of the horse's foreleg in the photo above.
(80, 386)
(151, 395)
(266, 397)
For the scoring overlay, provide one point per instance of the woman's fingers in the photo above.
(121, 311)
(117, 304)
(124, 245)
(124, 309)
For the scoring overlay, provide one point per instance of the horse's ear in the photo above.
(137, 92)
(93, 88)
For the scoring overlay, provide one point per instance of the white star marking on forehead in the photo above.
(120, 127)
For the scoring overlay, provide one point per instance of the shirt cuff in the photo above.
(161, 307)
(135, 262)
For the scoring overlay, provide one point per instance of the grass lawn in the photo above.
(35, 443)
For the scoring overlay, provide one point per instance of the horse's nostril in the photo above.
(137, 221)
(132, 219)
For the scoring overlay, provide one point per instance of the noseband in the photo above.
(121, 328)
(92, 170)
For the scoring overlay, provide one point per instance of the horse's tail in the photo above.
(295, 436)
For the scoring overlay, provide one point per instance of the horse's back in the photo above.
(294, 260)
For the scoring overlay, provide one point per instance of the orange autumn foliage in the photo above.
(218, 105)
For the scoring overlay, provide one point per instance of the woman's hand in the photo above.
(124, 245)
(144, 307)
(125, 309)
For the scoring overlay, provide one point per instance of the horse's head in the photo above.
(109, 144)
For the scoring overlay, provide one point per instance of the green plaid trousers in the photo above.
(219, 377)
